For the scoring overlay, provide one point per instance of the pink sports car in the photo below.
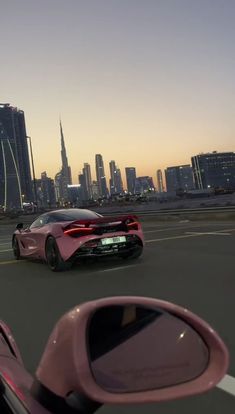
(62, 237)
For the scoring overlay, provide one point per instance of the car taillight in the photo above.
(134, 225)
(82, 231)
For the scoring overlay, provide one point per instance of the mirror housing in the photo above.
(19, 226)
(65, 366)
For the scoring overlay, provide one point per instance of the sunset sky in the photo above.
(147, 83)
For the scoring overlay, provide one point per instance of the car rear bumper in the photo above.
(133, 243)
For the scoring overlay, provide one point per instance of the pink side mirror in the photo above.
(132, 350)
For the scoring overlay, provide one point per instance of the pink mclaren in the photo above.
(62, 237)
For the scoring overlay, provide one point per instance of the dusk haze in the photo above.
(146, 83)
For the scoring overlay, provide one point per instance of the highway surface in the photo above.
(190, 263)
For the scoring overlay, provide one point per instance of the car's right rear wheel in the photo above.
(53, 257)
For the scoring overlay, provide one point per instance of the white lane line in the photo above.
(173, 238)
(4, 244)
(180, 228)
(214, 233)
(185, 236)
(227, 384)
(7, 250)
(166, 229)
(6, 262)
(112, 269)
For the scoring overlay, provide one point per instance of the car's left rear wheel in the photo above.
(53, 257)
(16, 248)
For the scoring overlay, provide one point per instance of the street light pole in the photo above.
(34, 179)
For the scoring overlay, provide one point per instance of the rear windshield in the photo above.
(73, 215)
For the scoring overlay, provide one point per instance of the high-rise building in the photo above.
(88, 182)
(119, 183)
(130, 179)
(58, 187)
(15, 175)
(65, 170)
(112, 181)
(144, 185)
(82, 183)
(75, 194)
(160, 186)
(100, 174)
(95, 190)
(179, 178)
(46, 191)
(214, 170)
(116, 185)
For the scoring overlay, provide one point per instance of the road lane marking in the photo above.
(185, 236)
(7, 250)
(4, 244)
(116, 268)
(166, 229)
(184, 227)
(214, 233)
(227, 384)
(173, 238)
(12, 262)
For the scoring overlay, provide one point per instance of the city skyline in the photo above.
(147, 83)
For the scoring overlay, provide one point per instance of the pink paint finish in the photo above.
(32, 240)
(73, 373)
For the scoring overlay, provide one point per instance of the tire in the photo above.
(133, 255)
(53, 257)
(16, 248)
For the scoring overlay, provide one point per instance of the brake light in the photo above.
(134, 225)
(82, 231)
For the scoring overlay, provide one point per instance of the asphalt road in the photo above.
(189, 263)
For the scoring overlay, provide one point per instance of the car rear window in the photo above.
(73, 215)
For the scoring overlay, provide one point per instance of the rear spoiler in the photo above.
(107, 219)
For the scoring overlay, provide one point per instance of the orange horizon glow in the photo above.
(147, 84)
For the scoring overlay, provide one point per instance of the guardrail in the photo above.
(192, 212)
(227, 209)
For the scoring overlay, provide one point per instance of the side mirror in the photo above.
(132, 350)
(19, 226)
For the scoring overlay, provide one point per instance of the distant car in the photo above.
(62, 237)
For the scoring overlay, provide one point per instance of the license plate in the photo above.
(113, 240)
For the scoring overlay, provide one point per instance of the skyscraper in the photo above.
(65, 170)
(214, 170)
(112, 181)
(15, 175)
(160, 186)
(130, 179)
(46, 191)
(88, 183)
(144, 185)
(82, 183)
(58, 187)
(179, 178)
(100, 174)
(116, 185)
(95, 190)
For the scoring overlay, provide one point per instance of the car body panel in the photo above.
(14, 375)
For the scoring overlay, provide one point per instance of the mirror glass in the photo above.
(134, 348)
